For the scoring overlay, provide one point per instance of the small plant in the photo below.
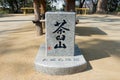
(2, 12)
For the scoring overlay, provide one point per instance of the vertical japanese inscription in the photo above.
(61, 36)
(60, 29)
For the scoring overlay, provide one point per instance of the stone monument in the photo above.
(59, 55)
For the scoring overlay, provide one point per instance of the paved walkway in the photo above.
(98, 36)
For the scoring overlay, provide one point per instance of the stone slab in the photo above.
(60, 33)
(60, 65)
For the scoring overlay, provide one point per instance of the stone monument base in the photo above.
(60, 65)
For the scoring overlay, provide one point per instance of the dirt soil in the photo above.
(98, 36)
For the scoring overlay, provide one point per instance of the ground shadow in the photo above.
(18, 30)
(5, 15)
(15, 20)
(97, 18)
(88, 31)
(101, 49)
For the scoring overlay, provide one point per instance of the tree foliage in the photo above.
(15, 5)
(112, 5)
(51, 5)
(100, 6)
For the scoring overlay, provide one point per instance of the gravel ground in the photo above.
(98, 36)
(13, 22)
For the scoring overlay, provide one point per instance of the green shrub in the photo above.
(4, 11)
(118, 9)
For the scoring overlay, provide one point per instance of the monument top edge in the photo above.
(60, 12)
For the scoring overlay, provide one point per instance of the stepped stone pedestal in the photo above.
(59, 55)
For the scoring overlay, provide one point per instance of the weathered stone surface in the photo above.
(60, 29)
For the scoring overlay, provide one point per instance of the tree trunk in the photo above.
(81, 5)
(94, 8)
(102, 6)
(37, 22)
(70, 5)
(42, 11)
(16, 4)
(94, 2)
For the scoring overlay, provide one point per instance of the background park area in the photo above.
(97, 35)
